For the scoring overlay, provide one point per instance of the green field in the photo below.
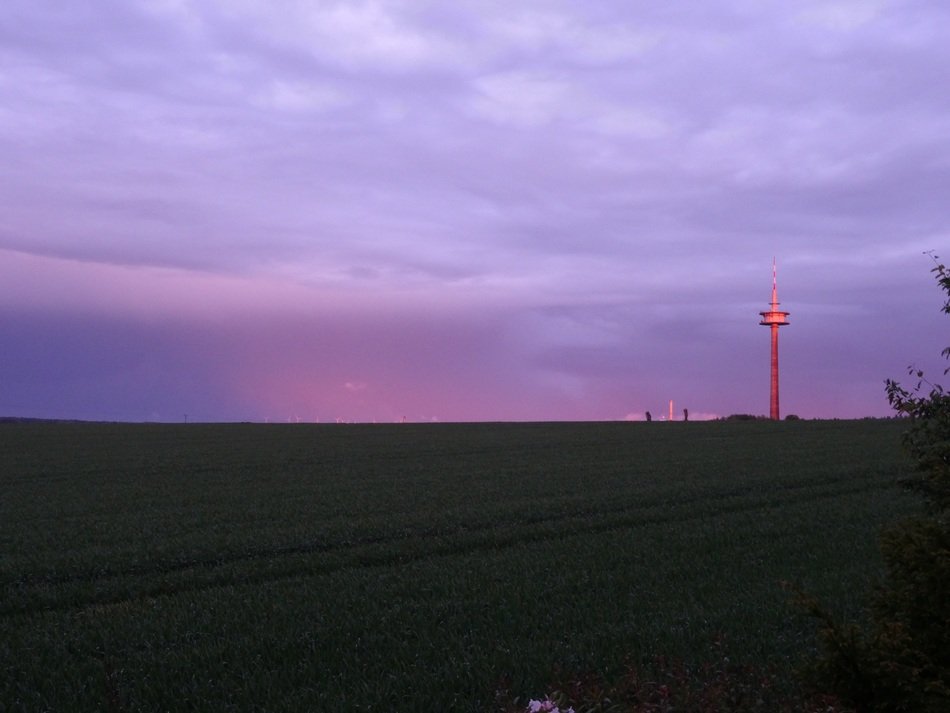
(412, 567)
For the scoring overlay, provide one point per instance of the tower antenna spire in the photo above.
(773, 319)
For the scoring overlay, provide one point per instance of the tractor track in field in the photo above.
(31, 595)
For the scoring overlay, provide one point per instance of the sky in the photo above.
(247, 210)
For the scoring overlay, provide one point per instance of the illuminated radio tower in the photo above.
(774, 319)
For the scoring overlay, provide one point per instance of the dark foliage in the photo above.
(900, 661)
(662, 685)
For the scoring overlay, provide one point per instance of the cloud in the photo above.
(520, 98)
(387, 37)
(587, 197)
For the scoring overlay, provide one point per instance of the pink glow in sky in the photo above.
(476, 210)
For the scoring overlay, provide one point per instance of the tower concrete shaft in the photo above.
(773, 319)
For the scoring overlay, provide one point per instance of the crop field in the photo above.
(413, 567)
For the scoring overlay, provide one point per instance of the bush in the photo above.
(900, 661)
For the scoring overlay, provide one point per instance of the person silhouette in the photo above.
(649, 416)
(686, 414)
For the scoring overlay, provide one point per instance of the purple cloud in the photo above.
(474, 211)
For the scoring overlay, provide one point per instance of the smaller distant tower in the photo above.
(773, 319)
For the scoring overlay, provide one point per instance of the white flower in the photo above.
(546, 706)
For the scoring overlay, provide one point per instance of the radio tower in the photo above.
(774, 319)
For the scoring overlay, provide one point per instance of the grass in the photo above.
(414, 567)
